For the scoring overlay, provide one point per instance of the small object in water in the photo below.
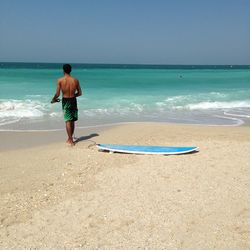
(55, 100)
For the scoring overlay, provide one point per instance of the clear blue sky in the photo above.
(126, 31)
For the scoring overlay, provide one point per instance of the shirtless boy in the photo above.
(71, 89)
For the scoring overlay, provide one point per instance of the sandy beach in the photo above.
(58, 197)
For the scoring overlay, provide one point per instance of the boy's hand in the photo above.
(55, 100)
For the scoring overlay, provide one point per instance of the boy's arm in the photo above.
(57, 94)
(78, 89)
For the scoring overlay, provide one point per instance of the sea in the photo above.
(120, 93)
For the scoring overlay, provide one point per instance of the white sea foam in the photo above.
(55, 114)
(6, 121)
(12, 111)
(186, 99)
(189, 107)
(33, 96)
(216, 105)
(238, 121)
(21, 109)
(132, 108)
(237, 115)
(178, 99)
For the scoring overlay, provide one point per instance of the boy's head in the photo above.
(67, 68)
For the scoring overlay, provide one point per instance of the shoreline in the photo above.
(236, 120)
(19, 139)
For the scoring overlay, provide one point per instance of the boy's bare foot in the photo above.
(70, 142)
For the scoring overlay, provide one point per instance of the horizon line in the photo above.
(132, 64)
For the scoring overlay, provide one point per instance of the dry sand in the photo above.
(59, 197)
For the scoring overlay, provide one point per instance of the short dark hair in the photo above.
(67, 68)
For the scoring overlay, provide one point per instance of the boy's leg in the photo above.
(70, 130)
(73, 128)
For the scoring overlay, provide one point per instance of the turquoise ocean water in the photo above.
(213, 95)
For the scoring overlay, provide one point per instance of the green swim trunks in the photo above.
(70, 111)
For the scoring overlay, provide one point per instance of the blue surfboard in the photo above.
(136, 149)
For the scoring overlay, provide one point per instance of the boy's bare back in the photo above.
(69, 86)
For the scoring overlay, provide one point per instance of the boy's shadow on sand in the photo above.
(85, 138)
